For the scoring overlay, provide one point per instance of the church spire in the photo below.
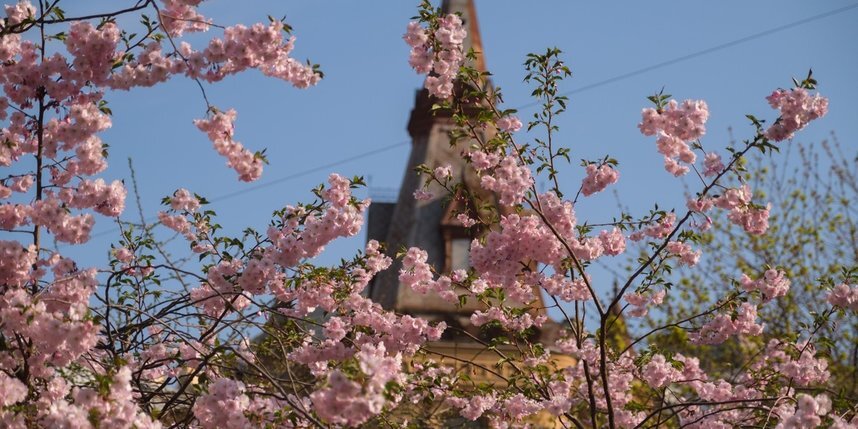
(422, 116)
(432, 224)
(468, 11)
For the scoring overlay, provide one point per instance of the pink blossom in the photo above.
(16, 14)
(179, 16)
(259, 46)
(415, 35)
(641, 301)
(423, 195)
(223, 406)
(465, 220)
(558, 213)
(795, 361)
(415, 272)
(339, 191)
(674, 168)
(94, 51)
(509, 124)
(376, 261)
(476, 406)
(115, 409)
(598, 178)
(676, 125)
(14, 215)
(772, 284)
(11, 391)
(797, 108)
(484, 160)
(734, 197)
(844, 296)
(441, 87)
(658, 372)
(219, 129)
(420, 60)
(22, 183)
(66, 228)
(15, 262)
(687, 256)
(108, 200)
(519, 406)
(587, 248)
(712, 164)
(443, 64)
(345, 402)
(513, 323)
(521, 239)
(177, 223)
(450, 32)
(700, 205)
(293, 243)
(564, 288)
(807, 412)
(722, 326)
(123, 254)
(510, 180)
(183, 200)
(661, 229)
(443, 172)
(753, 220)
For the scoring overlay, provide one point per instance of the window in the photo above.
(460, 253)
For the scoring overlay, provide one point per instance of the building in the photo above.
(432, 225)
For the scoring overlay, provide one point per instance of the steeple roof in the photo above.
(430, 224)
(468, 11)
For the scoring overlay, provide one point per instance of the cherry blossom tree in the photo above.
(256, 335)
(810, 188)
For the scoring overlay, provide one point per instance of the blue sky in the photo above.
(364, 101)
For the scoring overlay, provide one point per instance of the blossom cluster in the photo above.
(752, 218)
(437, 52)
(181, 16)
(773, 284)
(844, 296)
(510, 180)
(725, 325)
(53, 98)
(220, 129)
(501, 258)
(676, 125)
(509, 124)
(797, 362)
(417, 275)
(153, 354)
(641, 302)
(797, 108)
(661, 228)
(223, 405)
(687, 256)
(303, 234)
(598, 178)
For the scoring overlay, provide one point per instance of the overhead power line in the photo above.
(584, 88)
(578, 90)
(287, 178)
(703, 52)
(309, 171)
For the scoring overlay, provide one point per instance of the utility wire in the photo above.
(584, 88)
(288, 178)
(309, 171)
(574, 91)
(703, 52)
